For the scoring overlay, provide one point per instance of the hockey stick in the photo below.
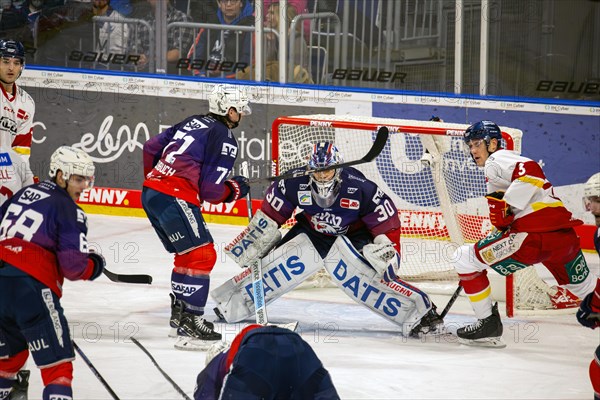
(135, 278)
(378, 145)
(451, 301)
(258, 290)
(246, 173)
(167, 377)
(95, 371)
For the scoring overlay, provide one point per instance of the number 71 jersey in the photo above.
(360, 202)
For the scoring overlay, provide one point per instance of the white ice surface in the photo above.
(546, 357)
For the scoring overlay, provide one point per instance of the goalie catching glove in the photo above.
(500, 214)
(261, 235)
(383, 257)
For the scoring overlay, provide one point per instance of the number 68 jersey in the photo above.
(360, 203)
(43, 233)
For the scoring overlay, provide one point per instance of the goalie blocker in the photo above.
(283, 270)
(259, 237)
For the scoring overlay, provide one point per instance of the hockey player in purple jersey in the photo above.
(185, 165)
(348, 225)
(42, 241)
(264, 362)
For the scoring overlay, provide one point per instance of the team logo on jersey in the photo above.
(229, 150)
(304, 198)
(352, 190)
(7, 124)
(378, 195)
(194, 124)
(5, 159)
(30, 196)
(22, 114)
(349, 204)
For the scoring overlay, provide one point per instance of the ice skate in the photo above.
(195, 333)
(19, 389)
(486, 332)
(176, 311)
(431, 323)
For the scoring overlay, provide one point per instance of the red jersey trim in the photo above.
(34, 260)
(176, 187)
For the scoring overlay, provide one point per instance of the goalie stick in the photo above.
(167, 377)
(378, 145)
(95, 371)
(124, 278)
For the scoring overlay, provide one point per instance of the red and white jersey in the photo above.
(528, 193)
(16, 121)
(15, 173)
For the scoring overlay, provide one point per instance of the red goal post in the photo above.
(431, 178)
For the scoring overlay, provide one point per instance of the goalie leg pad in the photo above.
(261, 235)
(396, 301)
(282, 270)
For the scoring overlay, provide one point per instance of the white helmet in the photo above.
(592, 186)
(225, 96)
(72, 161)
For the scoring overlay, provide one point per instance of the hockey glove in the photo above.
(500, 214)
(238, 185)
(588, 315)
(383, 257)
(97, 263)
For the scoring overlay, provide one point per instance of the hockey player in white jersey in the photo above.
(348, 226)
(18, 108)
(14, 173)
(532, 226)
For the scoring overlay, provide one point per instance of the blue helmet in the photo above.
(325, 154)
(12, 49)
(486, 130)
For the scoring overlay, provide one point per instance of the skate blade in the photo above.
(191, 344)
(173, 332)
(495, 342)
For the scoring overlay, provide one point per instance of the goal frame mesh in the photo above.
(432, 135)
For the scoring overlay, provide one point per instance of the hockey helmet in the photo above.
(325, 189)
(592, 186)
(72, 161)
(486, 130)
(12, 49)
(224, 97)
(591, 191)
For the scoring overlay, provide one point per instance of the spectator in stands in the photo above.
(177, 38)
(271, 50)
(203, 11)
(112, 38)
(229, 46)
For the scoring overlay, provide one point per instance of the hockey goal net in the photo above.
(429, 174)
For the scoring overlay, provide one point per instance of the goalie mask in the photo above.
(325, 185)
